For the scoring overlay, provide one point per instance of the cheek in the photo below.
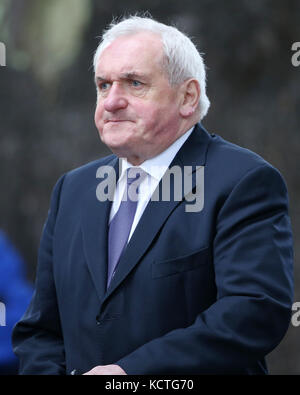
(98, 117)
(156, 118)
(150, 116)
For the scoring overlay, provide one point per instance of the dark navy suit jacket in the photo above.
(206, 292)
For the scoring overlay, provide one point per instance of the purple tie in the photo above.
(121, 223)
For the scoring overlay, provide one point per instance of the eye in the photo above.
(103, 86)
(136, 83)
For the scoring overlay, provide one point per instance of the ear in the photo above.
(191, 96)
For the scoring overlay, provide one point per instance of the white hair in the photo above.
(182, 59)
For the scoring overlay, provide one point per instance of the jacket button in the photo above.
(98, 320)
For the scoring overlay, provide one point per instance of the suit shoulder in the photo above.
(234, 158)
(88, 169)
(234, 162)
(84, 175)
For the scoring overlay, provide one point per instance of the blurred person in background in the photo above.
(15, 294)
(154, 288)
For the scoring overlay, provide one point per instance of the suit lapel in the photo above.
(192, 153)
(94, 224)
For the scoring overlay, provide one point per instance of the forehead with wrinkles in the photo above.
(140, 54)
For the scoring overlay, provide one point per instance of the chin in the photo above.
(122, 143)
(117, 147)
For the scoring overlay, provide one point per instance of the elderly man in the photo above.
(148, 286)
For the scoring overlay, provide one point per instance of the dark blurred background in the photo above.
(47, 101)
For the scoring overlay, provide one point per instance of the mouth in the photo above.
(116, 120)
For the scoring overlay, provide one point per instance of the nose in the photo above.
(116, 99)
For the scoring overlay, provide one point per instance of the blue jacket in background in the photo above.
(15, 293)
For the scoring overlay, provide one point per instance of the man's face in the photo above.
(137, 113)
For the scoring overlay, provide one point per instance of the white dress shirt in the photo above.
(155, 169)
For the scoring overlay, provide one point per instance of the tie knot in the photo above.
(135, 174)
(134, 177)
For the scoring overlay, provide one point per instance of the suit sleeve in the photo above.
(37, 337)
(253, 259)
